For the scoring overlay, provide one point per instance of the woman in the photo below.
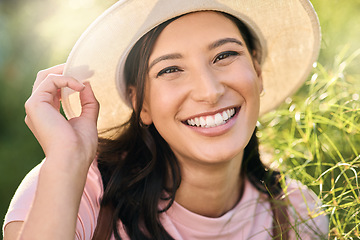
(185, 164)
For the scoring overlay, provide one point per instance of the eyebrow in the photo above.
(224, 41)
(165, 57)
(212, 46)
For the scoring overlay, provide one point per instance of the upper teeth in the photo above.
(213, 120)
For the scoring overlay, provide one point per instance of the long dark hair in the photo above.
(138, 165)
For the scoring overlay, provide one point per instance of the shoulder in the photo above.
(23, 197)
(89, 206)
(305, 211)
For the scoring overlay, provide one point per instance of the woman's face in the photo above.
(202, 90)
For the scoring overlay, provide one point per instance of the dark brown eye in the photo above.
(168, 70)
(225, 55)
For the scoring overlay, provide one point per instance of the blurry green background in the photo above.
(38, 34)
(34, 35)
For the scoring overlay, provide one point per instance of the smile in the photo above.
(212, 120)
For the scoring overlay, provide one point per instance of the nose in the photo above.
(207, 87)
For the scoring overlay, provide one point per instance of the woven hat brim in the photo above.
(288, 32)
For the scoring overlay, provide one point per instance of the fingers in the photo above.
(89, 104)
(44, 102)
(58, 69)
(53, 82)
(52, 130)
(48, 92)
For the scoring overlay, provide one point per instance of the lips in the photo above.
(215, 120)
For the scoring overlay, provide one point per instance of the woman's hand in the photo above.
(75, 138)
(69, 146)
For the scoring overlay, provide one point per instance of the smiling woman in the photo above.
(184, 163)
(204, 80)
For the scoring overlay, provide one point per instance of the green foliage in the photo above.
(314, 138)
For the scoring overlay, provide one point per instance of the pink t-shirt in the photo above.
(251, 218)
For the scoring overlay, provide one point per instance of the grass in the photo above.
(315, 136)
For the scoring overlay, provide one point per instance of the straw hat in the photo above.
(287, 31)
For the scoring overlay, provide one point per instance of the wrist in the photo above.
(73, 166)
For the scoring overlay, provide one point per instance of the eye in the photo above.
(168, 70)
(225, 55)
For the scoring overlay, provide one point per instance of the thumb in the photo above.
(89, 104)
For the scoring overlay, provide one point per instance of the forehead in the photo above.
(197, 28)
(198, 18)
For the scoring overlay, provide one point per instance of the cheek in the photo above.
(164, 99)
(244, 79)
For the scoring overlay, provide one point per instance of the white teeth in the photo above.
(230, 112)
(212, 121)
(202, 122)
(225, 116)
(218, 119)
(192, 122)
(197, 122)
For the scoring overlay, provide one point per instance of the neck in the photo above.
(210, 190)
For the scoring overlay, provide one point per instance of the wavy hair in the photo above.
(138, 167)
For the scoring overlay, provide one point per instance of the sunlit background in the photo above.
(34, 35)
(37, 34)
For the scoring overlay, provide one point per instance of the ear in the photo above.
(145, 115)
(258, 71)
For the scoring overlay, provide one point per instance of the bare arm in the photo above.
(69, 146)
(12, 230)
